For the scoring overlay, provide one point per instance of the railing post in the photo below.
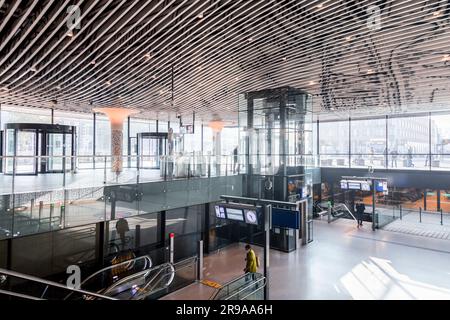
(442, 221)
(420, 214)
(401, 212)
(52, 209)
(104, 172)
(200, 260)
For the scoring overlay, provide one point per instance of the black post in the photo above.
(420, 214)
(100, 243)
(401, 213)
(137, 237)
(129, 141)
(442, 221)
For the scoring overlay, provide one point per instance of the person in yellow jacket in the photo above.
(251, 259)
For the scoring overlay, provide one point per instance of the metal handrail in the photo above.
(133, 276)
(19, 295)
(216, 293)
(51, 283)
(345, 206)
(253, 292)
(145, 258)
(243, 289)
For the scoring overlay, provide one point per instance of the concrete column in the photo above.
(116, 118)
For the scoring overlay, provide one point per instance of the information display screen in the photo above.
(365, 186)
(344, 184)
(220, 212)
(251, 216)
(354, 185)
(235, 214)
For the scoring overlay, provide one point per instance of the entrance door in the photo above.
(150, 150)
(26, 152)
(55, 152)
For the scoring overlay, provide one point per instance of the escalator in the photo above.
(134, 279)
(246, 287)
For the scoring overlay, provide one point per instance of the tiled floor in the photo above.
(344, 262)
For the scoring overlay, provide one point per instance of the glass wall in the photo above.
(409, 142)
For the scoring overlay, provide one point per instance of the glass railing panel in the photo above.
(36, 212)
(84, 206)
(153, 197)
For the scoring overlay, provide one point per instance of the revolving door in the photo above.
(151, 146)
(39, 148)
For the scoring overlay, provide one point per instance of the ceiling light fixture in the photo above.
(369, 71)
(200, 16)
(69, 33)
(108, 83)
(437, 13)
(93, 62)
(320, 6)
(446, 57)
(284, 59)
(311, 83)
(33, 69)
(147, 56)
(250, 39)
(348, 38)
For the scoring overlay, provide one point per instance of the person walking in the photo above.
(360, 208)
(252, 264)
(235, 160)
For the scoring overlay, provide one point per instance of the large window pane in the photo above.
(440, 142)
(368, 142)
(333, 137)
(408, 142)
(102, 136)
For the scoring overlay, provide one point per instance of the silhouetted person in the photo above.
(122, 228)
(360, 208)
(235, 160)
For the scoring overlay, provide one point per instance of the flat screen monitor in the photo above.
(220, 212)
(365, 186)
(379, 186)
(354, 185)
(344, 184)
(251, 216)
(235, 214)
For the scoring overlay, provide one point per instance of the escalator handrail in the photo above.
(252, 283)
(51, 283)
(171, 274)
(19, 295)
(143, 273)
(147, 258)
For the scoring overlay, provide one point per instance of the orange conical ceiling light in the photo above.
(216, 124)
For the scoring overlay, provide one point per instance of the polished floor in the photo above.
(343, 262)
(430, 225)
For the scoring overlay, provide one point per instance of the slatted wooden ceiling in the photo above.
(125, 50)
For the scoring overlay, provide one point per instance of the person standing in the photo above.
(251, 265)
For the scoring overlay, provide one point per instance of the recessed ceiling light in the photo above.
(33, 69)
(161, 92)
(284, 59)
(237, 78)
(58, 87)
(348, 38)
(311, 83)
(69, 33)
(147, 56)
(93, 62)
(108, 83)
(446, 57)
(250, 39)
(369, 71)
(200, 16)
(320, 6)
(153, 77)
